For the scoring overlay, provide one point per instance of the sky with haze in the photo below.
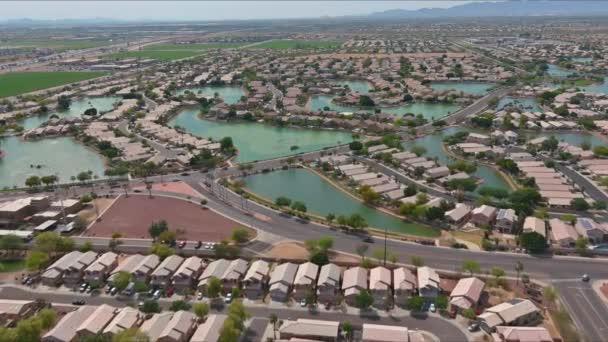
(203, 10)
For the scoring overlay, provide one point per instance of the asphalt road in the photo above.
(440, 327)
(589, 312)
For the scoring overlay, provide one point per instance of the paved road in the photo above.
(446, 331)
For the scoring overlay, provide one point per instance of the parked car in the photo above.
(473, 327)
(228, 298)
(169, 292)
(432, 308)
(78, 302)
(198, 245)
(199, 295)
(83, 287)
(303, 303)
(182, 244)
(113, 291)
(156, 294)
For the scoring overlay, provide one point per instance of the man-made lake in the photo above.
(321, 198)
(229, 94)
(358, 86)
(600, 88)
(572, 138)
(433, 142)
(524, 103)
(429, 110)
(475, 88)
(557, 71)
(57, 156)
(257, 141)
(77, 108)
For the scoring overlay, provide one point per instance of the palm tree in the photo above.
(149, 187)
(274, 319)
(519, 267)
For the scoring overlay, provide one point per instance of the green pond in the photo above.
(257, 141)
(524, 103)
(557, 71)
(77, 108)
(433, 142)
(475, 88)
(321, 198)
(229, 94)
(358, 86)
(429, 110)
(57, 156)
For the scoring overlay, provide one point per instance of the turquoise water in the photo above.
(582, 59)
(433, 142)
(358, 86)
(102, 104)
(557, 71)
(62, 156)
(229, 94)
(321, 198)
(601, 88)
(475, 88)
(257, 141)
(572, 138)
(429, 110)
(525, 103)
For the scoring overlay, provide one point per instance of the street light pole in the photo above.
(385, 238)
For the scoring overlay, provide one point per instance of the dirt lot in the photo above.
(88, 213)
(133, 215)
(175, 187)
(294, 250)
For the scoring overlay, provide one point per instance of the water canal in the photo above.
(257, 141)
(321, 198)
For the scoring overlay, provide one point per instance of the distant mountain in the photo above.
(503, 9)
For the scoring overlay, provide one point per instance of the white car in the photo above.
(228, 298)
(303, 303)
(432, 308)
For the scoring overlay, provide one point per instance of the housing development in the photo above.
(402, 175)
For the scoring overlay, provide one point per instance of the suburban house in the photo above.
(466, 294)
(127, 318)
(428, 283)
(127, 265)
(534, 224)
(459, 215)
(143, 271)
(590, 229)
(215, 269)
(233, 274)
(75, 271)
(516, 312)
(96, 322)
(384, 333)
(161, 276)
(305, 280)
(255, 279)
(281, 281)
(483, 215)
(187, 273)
(65, 329)
(155, 326)
(309, 329)
(405, 284)
(53, 274)
(354, 281)
(562, 233)
(505, 220)
(328, 284)
(521, 334)
(210, 330)
(179, 328)
(380, 286)
(100, 269)
(15, 309)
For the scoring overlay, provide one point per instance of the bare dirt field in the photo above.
(133, 215)
(175, 187)
(295, 250)
(89, 212)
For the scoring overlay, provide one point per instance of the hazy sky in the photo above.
(201, 10)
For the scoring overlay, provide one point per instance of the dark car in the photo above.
(198, 244)
(368, 239)
(182, 244)
(78, 302)
(185, 174)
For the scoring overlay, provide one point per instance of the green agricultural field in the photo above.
(15, 83)
(155, 54)
(59, 45)
(192, 47)
(296, 44)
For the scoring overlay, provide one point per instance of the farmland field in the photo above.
(192, 47)
(155, 54)
(59, 45)
(296, 44)
(16, 83)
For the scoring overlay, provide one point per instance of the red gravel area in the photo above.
(175, 187)
(133, 215)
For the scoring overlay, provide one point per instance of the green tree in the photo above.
(368, 195)
(497, 273)
(229, 331)
(63, 102)
(32, 181)
(11, 242)
(150, 306)
(523, 201)
(580, 246)
(441, 302)
(121, 280)
(130, 335)
(36, 260)
(299, 206)
(282, 201)
(533, 242)
(366, 101)
(214, 287)
(355, 145)
(240, 235)
(178, 305)
(200, 309)
(471, 266)
(414, 303)
(416, 261)
(579, 204)
(157, 228)
(469, 313)
(226, 144)
(161, 250)
(347, 329)
(51, 242)
(330, 217)
(363, 300)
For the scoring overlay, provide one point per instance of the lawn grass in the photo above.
(59, 45)
(12, 265)
(15, 83)
(192, 47)
(296, 44)
(155, 54)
